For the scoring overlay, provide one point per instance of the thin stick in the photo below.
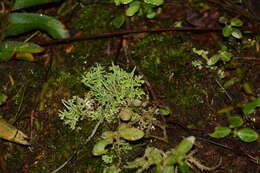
(127, 32)
(225, 91)
(79, 147)
(122, 33)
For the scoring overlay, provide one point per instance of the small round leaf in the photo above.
(227, 31)
(99, 148)
(250, 107)
(236, 33)
(235, 121)
(220, 132)
(236, 22)
(125, 1)
(3, 98)
(126, 114)
(247, 135)
(131, 134)
(151, 15)
(165, 111)
(154, 2)
(133, 8)
(118, 21)
(185, 146)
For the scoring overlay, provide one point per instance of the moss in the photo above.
(94, 19)
(166, 61)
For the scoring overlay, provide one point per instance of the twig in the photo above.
(73, 155)
(199, 165)
(122, 33)
(249, 58)
(225, 91)
(31, 123)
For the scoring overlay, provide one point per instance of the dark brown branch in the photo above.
(121, 33)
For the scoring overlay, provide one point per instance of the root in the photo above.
(198, 164)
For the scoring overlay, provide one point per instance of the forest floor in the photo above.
(199, 97)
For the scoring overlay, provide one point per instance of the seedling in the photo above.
(223, 55)
(235, 122)
(250, 107)
(135, 7)
(230, 28)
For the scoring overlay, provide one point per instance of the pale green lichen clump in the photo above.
(108, 90)
(76, 109)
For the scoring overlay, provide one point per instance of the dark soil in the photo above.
(35, 89)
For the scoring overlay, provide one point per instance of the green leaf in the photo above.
(24, 22)
(3, 98)
(118, 21)
(125, 1)
(151, 15)
(100, 147)
(20, 4)
(247, 88)
(236, 22)
(5, 55)
(165, 111)
(236, 33)
(131, 134)
(9, 48)
(184, 146)
(213, 60)
(180, 151)
(220, 132)
(184, 168)
(154, 2)
(225, 54)
(133, 8)
(235, 121)
(227, 31)
(250, 107)
(247, 135)
(126, 114)
(165, 169)
(231, 82)
(201, 52)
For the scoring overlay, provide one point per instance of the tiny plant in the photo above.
(3, 98)
(251, 106)
(135, 7)
(109, 90)
(230, 28)
(178, 159)
(172, 161)
(235, 122)
(222, 55)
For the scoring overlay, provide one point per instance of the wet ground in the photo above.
(195, 96)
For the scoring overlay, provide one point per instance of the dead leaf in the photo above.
(10, 133)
